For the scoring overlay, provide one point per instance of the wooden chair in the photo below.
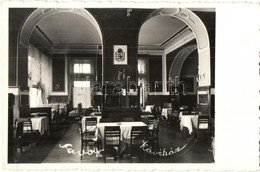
(29, 133)
(18, 142)
(203, 129)
(89, 137)
(154, 136)
(151, 121)
(138, 137)
(112, 136)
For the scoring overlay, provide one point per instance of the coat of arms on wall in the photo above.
(120, 54)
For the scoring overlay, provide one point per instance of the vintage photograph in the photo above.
(111, 85)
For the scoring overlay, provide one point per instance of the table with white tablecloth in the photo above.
(189, 121)
(149, 108)
(125, 128)
(166, 111)
(41, 124)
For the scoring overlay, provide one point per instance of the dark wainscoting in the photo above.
(184, 100)
(58, 99)
(118, 114)
(158, 99)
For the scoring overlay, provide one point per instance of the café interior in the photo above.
(111, 85)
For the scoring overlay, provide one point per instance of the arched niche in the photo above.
(201, 36)
(178, 61)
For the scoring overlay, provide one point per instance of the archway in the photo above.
(36, 16)
(194, 28)
(201, 35)
(39, 17)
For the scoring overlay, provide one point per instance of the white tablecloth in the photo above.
(149, 108)
(41, 124)
(188, 121)
(166, 111)
(72, 113)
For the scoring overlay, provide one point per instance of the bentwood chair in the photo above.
(89, 137)
(138, 137)
(203, 128)
(112, 140)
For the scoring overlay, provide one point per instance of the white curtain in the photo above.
(36, 98)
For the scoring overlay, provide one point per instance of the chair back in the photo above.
(203, 122)
(151, 120)
(91, 121)
(90, 127)
(27, 124)
(139, 132)
(112, 133)
(155, 128)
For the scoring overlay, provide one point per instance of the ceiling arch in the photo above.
(62, 26)
(199, 30)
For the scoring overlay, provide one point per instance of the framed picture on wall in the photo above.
(120, 54)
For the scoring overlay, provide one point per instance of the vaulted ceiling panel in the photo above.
(158, 30)
(69, 28)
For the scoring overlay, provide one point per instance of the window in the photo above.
(82, 68)
(82, 84)
(83, 73)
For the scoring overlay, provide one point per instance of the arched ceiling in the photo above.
(157, 30)
(163, 33)
(67, 32)
(69, 28)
